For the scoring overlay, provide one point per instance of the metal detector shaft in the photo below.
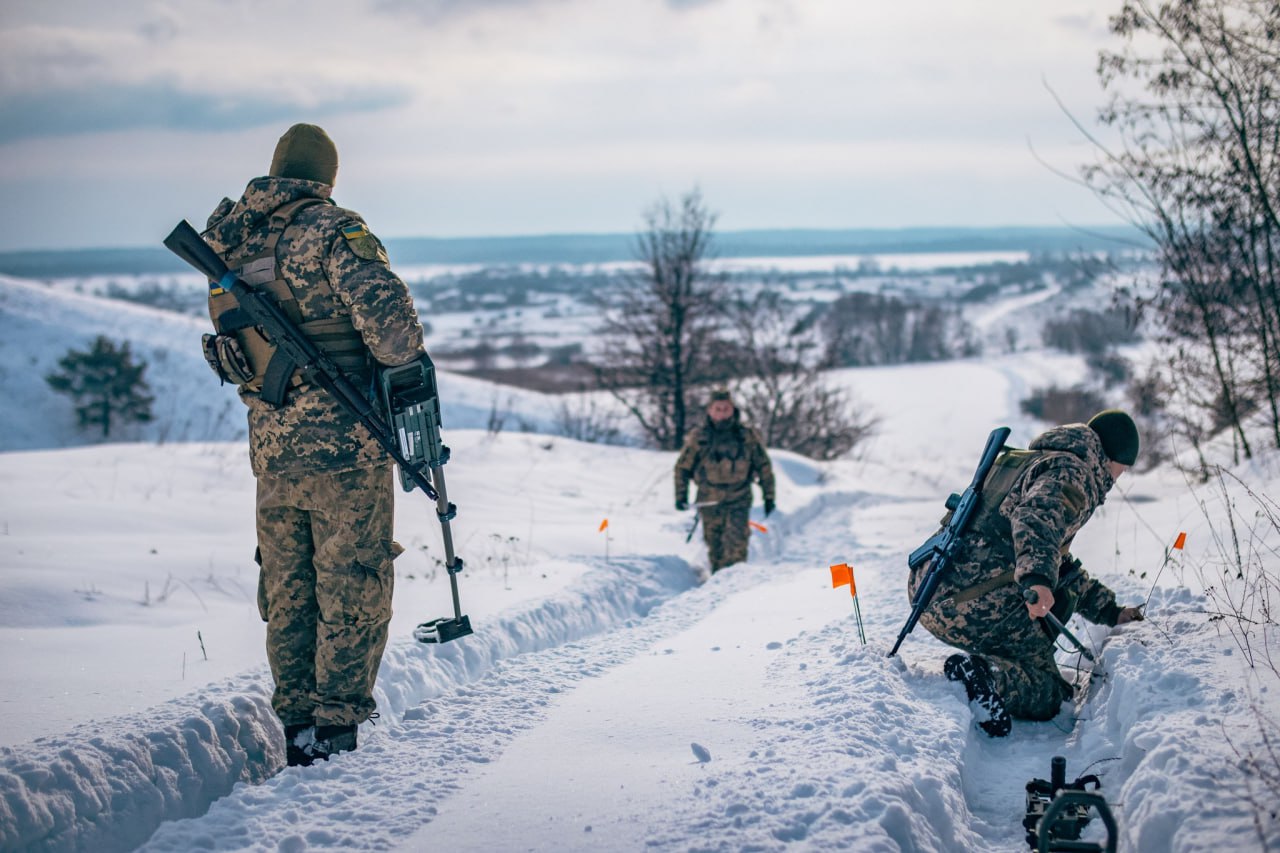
(1031, 597)
(445, 511)
(697, 517)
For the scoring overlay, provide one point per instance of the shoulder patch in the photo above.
(363, 244)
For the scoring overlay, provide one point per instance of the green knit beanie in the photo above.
(1119, 435)
(721, 394)
(305, 151)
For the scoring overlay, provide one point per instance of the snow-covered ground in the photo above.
(610, 699)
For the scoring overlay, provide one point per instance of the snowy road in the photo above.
(569, 721)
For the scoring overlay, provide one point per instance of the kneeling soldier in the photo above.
(1033, 504)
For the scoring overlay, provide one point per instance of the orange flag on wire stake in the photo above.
(1180, 542)
(841, 574)
(755, 525)
(603, 525)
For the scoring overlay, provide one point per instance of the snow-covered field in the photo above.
(610, 698)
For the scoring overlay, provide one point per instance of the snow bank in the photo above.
(107, 786)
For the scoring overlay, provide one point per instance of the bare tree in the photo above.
(782, 387)
(1195, 103)
(660, 328)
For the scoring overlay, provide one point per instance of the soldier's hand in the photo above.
(1130, 614)
(681, 504)
(769, 506)
(1043, 602)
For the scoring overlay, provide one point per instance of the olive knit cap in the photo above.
(1119, 435)
(721, 394)
(305, 151)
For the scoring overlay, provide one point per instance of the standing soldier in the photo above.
(1033, 503)
(723, 456)
(325, 496)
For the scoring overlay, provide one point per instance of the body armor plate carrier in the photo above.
(241, 354)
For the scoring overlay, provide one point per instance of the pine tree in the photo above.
(105, 383)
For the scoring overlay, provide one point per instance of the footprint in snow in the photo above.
(700, 752)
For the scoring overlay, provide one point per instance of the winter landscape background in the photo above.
(938, 196)
(606, 666)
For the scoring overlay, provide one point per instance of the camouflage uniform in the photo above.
(325, 495)
(1017, 541)
(723, 458)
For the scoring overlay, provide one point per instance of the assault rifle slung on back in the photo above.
(942, 546)
(405, 392)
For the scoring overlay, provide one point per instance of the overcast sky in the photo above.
(477, 117)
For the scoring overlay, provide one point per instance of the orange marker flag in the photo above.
(841, 574)
(603, 525)
(1181, 541)
(755, 525)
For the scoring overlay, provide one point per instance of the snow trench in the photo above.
(108, 786)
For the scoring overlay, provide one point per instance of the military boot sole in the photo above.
(974, 674)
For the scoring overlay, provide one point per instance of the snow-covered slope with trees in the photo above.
(611, 699)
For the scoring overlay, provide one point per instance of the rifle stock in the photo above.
(940, 548)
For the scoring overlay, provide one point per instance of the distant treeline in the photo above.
(602, 248)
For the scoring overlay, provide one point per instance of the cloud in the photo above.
(1085, 23)
(682, 5)
(438, 11)
(161, 106)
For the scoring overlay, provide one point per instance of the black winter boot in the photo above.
(975, 674)
(331, 740)
(297, 737)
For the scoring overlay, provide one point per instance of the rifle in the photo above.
(185, 242)
(941, 547)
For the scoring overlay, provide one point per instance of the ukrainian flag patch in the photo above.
(355, 232)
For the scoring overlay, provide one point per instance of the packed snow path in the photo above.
(740, 714)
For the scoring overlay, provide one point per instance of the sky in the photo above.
(501, 117)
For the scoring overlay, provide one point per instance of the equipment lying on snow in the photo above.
(941, 548)
(408, 394)
(1057, 812)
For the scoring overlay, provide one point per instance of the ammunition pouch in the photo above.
(224, 355)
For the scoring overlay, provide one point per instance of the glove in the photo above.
(769, 506)
(1130, 614)
(681, 504)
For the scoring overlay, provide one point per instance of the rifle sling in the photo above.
(983, 588)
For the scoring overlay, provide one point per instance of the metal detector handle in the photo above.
(1031, 597)
(1060, 804)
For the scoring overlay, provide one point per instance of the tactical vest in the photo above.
(258, 366)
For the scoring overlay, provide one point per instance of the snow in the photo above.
(613, 696)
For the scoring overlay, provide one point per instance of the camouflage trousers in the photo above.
(725, 530)
(1018, 648)
(324, 590)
